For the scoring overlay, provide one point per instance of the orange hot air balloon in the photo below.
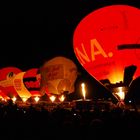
(107, 40)
(31, 80)
(7, 75)
(58, 75)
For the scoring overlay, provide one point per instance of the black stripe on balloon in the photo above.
(128, 46)
(29, 79)
(34, 89)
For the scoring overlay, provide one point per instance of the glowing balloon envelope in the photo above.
(106, 41)
(59, 75)
(20, 87)
(7, 75)
(31, 80)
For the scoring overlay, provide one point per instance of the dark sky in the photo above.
(30, 37)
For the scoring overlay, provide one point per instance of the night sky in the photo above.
(32, 37)
(36, 34)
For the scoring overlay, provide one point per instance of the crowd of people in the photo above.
(61, 121)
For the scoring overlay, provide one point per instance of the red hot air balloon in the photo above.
(107, 40)
(31, 81)
(7, 75)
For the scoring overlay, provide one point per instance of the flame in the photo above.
(120, 93)
(83, 91)
(24, 99)
(36, 99)
(52, 98)
(14, 99)
(4, 99)
(62, 98)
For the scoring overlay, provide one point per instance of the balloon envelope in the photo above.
(20, 87)
(59, 75)
(31, 80)
(104, 42)
(7, 75)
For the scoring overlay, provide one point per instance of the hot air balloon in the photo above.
(20, 88)
(107, 44)
(107, 40)
(7, 75)
(31, 80)
(58, 75)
